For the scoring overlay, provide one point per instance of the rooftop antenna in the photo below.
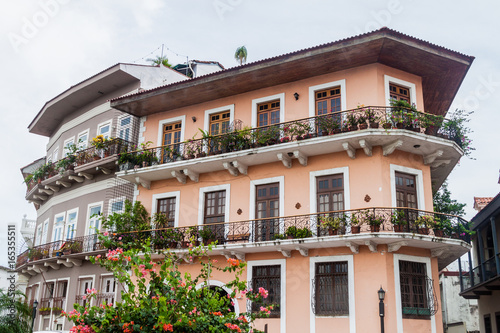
(162, 51)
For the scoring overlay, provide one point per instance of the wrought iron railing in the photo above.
(300, 226)
(270, 229)
(479, 274)
(106, 298)
(301, 129)
(81, 157)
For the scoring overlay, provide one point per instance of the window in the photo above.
(487, 324)
(330, 193)
(83, 140)
(44, 231)
(220, 122)
(71, 224)
(415, 289)
(328, 100)
(171, 137)
(125, 128)
(55, 154)
(267, 205)
(67, 144)
(104, 129)
(94, 219)
(215, 207)
(399, 93)
(116, 205)
(166, 207)
(108, 289)
(331, 289)
(84, 284)
(62, 288)
(406, 192)
(38, 239)
(49, 290)
(268, 113)
(58, 228)
(269, 278)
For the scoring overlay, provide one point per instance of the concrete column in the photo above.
(471, 277)
(460, 275)
(495, 243)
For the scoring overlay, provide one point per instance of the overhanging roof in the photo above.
(490, 210)
(77, 96)
(441, 69)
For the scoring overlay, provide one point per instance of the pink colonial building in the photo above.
(317, 168)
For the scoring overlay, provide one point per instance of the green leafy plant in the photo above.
(371, 218)
(398, 217)
(457, 130)
(424, 221)
(295, 232)
(331, 222)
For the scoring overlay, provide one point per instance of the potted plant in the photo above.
(294, 232)
(173, 237)
(373, 220)
(362, 124)
(44, 311)
(76, 247)
(424, 223)
(193, 236)
(355, 224)
(332, 224)
(207, 235)
(56, 310)
(398, 220)
(352, 122)
(372, 118)
(442, 226)
(279, 236)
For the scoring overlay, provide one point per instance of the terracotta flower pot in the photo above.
(438, 233)
(374, 228)
(423, 231)
(398, 228)
(333, 232)
(355, 229)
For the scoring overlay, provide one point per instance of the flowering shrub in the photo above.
(157, 297)
(100, 142)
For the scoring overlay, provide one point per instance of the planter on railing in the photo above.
(297, 130)
(375, 220)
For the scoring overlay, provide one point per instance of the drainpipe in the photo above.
(443, 297)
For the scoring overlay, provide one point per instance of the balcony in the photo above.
(68, 253)
(392, 128)
(84, 164)
(482, 279)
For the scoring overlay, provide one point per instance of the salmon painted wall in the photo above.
(370, 271)
(367, 176)
(364, 85)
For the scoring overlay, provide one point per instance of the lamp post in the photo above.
(381, 312)
(35, 305)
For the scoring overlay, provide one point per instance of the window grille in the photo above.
(418, 299)
(330, 289)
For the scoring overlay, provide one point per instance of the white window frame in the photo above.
(350, 278)
(67, 222)
(85, 277)
(45, 230)
(114, 200)
(397, 286)
(411, 86)
(282, 263)
(66, 301)
(121, 127)
(206, 120)
(419, 184)
(66, 143)
(257, 101)
(87, 223)
(176, 195)
(101, 284)
(83, 145)
(38, 237)
(62, 226)
(55, 154)
(201, 205)
(312, 95)
(163, 122)
(313, 201)
(104, 123)
(257, 182)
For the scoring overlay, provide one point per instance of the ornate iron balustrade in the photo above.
(269, 229)
(106, 298)
(81, 157)
(300, 226)
(301, 129)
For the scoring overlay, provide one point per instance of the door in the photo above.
(266, 206)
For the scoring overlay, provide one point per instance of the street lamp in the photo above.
(35, 305)
(381, 296)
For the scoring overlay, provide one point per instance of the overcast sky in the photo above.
(46, 46)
